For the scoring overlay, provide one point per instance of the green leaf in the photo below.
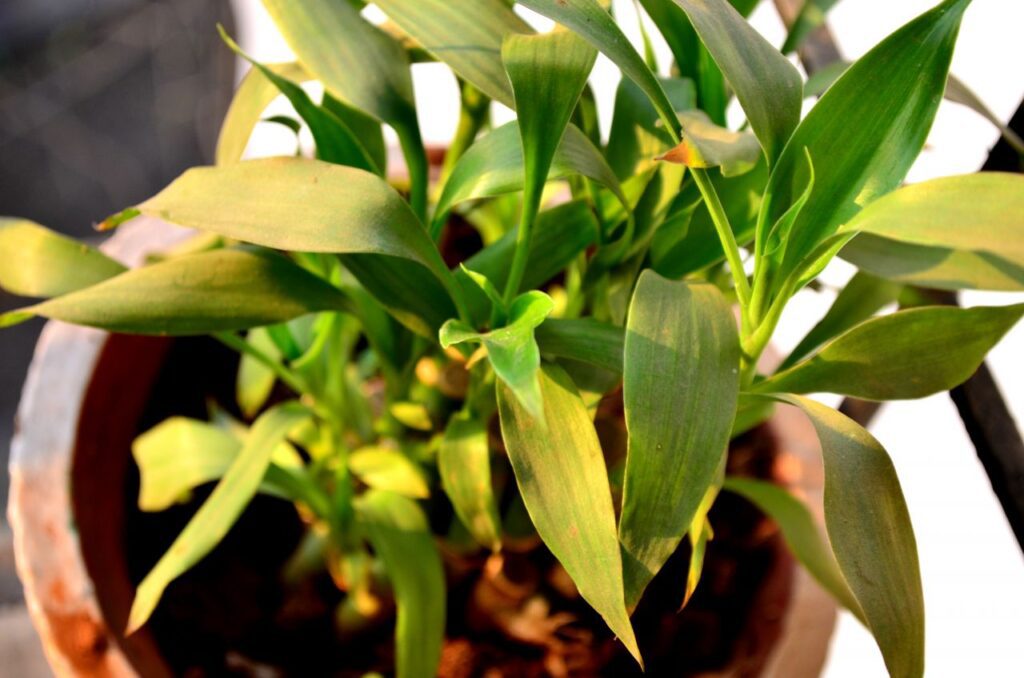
(864, 133)
(251, 98)
(548, 73)
(512, 349)
(811, 15)
(493, 166)
(180, 454)
(466, 35)
(219, 512)
(327, 208)
(593, 23)
(335, 142)
(958, 92)
(367, 129)
(705, 144)
(972, 222)
(255, 381)
(768, 87)
(584, 339)
(682, 357)
(198, 294)
(801, 534)
(561, 474)
(860, 299)
(411, 415)
(871, 535)
(464, 463)
(41, 263)
(361, 65)
(908, 354)
(400, 534)
(385, 469)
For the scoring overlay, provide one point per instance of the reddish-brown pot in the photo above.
(82, 405)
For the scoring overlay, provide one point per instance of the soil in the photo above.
(513, 615)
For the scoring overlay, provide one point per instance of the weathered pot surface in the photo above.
(81, 631)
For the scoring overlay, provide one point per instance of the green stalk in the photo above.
(531, 206)
(419, 168)
(233, 341)
(473, 115)
(725, 235)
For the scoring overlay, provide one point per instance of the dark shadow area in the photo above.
(102, 103)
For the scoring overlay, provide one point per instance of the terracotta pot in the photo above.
(80, 410)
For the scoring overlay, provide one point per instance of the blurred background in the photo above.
(103, 102)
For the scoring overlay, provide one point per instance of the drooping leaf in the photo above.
(401, 537)
(705, 145)
(255, 381)
(933, 267)
(41, 263)
(908, 354)
(365, 127)
(494, 165)
(198, 294)
(385, 469)
(969, 226)
(864, 133)
(561, 474)
(511, 349)
(871, 535)
(682, 357)
(591, 21)
(251, 98)
(958, 92)
(335, 142)
(768, 87)
(860, 299)
(811, 15)
(219, 512)
(181, 454)
(464, 463)
(465, 34)
(327, 208)
(801, 534)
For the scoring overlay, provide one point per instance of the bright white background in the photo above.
(972, 568)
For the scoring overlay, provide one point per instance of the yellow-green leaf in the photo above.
(400, 535)
(562, 476)
(464, 463)
(202, 293)
(219, 512)
(385, 469)
(41, 263)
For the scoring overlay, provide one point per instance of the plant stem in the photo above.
(725, 235)
(419, 168)
(531, 206)
(473, 115)
(233, 341)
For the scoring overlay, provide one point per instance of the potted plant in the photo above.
(425, 369)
